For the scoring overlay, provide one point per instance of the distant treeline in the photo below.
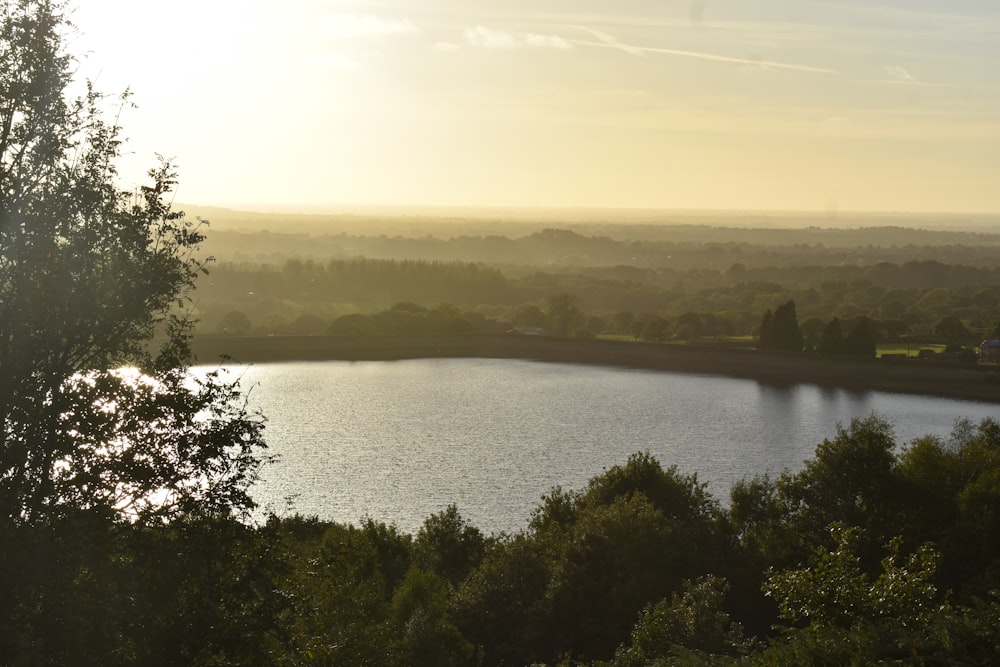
(306, 296)
(678, 247)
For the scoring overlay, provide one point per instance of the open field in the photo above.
(909, 349)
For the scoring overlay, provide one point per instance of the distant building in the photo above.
(989, 350)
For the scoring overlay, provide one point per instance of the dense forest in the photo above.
(876, 551)
(948, 291)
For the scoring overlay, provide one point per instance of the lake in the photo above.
(400, 440)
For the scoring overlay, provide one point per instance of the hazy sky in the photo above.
(722, 104)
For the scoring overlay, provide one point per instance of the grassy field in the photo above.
(909, 349)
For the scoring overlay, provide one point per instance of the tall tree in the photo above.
(780, 331)
(564, 315)
(94, 278)
(831, 341)
(860, 341)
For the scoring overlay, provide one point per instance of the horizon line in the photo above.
(338, 209)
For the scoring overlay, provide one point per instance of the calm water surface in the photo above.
(398, 441)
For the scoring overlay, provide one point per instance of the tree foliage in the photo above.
(94, 278)
(780, 330)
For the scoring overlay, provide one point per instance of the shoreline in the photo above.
(923, 377)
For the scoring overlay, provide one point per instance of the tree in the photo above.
(765, 338)
(449, 546)
(780, 331)
(811, 329)
(951, 328)
(529, 315)
(693, 623)
(235, 322)
(94, 278)
(689, 325)
(306, 324)
(564, 315)
(352, 324)
(892, 614)
(831, 341)
(655, 330)
(860, 342)
(622, 321)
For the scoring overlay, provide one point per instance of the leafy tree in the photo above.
(502, 604)
(339, 590)
(850, 479)
(622, 321)
(951, 489)
(564, 315)
(449, 546)
(780, 331)
(407, 307)
(529, 315)
(352, 324)
(860, 341)
(892, 329)
(832, 339)
(689, 325)
(595, 325)
(692, 624)
(952, 328)
(812, 329)
(765, 338)
(426, 635)
(899, 616)
(637, 327)
(235, 323)
(93, 278)
(655, 330)
(307, 324)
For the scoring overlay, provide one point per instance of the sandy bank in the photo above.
(907, 376)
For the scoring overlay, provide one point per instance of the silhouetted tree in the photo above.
(352, 324)
(529, 315)
(656, 330)
(951, 328)
(622, 321)
(780, 331)
(812, 330)
(564, 316)
(93, 278)
(235, 323)
(765, 339)
(831, 341)
(860, 341)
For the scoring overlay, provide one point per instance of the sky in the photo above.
(839, 105)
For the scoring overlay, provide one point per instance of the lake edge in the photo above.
(921, 377)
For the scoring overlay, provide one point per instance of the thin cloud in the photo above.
(352, 26)
(608, 41)
(899, 73)
(489, 38)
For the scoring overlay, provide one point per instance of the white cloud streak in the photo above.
(609, 41)
(489, 38)
(900, 73)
